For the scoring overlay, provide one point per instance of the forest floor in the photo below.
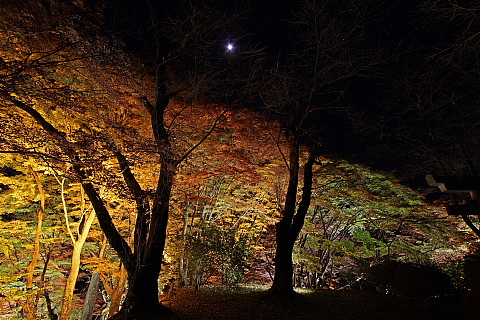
(253, 303)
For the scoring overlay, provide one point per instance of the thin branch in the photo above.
(189, 151)
(37, 153)
(65, 211)
(277, 143)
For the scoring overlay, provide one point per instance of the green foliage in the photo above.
(360, 214)
(370, 244)
(217, 252)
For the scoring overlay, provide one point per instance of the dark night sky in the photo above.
(396, 27)
(266, 23)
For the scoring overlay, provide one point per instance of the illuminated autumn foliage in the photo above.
(126, 177)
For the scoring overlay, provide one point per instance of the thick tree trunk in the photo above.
(282, 282)
(141, 301)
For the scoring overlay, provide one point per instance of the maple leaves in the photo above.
(221, 189)
(364, 217)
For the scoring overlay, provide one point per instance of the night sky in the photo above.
(376, 129)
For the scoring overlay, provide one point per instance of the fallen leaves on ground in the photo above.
(254, 303)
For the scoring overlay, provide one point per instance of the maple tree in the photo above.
(306, 88)
(363, 218)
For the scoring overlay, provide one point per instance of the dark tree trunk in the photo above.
(282, 281)
(293, 217)
(141, 301)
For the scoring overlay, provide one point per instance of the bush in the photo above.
(408, 279)
(216, 252)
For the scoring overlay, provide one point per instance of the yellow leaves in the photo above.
(103, 266)
(15, 290)
(194, 180)
(4, 278)
(51, 240)
(12, 234)
(15, 227)
(6, 247)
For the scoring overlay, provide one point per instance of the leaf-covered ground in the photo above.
(247, 303)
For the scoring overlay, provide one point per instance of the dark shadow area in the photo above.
(218, 303)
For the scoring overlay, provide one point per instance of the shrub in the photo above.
(408, 279)
(216, 252)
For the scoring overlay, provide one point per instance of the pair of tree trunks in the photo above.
(78, 243)
(293, 216)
